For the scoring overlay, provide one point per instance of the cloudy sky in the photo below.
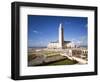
(44, 29)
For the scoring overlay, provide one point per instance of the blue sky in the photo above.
(44, 29)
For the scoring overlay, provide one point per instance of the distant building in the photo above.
(61, 44)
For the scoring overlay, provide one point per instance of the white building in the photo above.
(61, 44)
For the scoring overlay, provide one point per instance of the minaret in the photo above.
(61, 36)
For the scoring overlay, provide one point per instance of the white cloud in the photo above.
(80, 41)
(35, 31)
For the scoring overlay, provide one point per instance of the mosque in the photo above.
(61, 44)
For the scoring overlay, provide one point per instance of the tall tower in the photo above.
(61, 36)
